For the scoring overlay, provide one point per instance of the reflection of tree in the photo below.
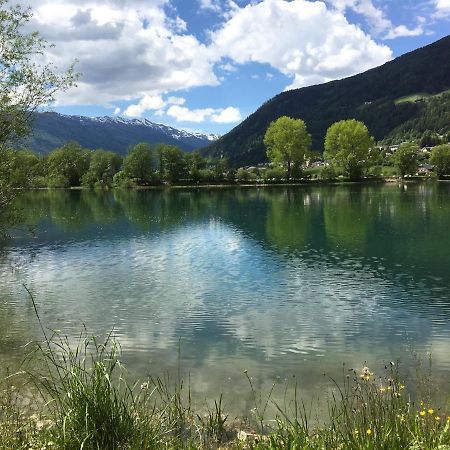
(347, 215)
(289, 218)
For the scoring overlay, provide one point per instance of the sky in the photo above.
(205, 65)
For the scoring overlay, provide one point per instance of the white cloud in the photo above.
(125, 50)
(212, 5)
(442, 7)
(176, 101)
(380, 24)
(117, 111)
(147, 103)
(183, 114)
(307, 41)
(403, 31)
(227, 115)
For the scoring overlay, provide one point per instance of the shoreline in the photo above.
(300, 183)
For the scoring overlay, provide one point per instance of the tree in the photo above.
(195, 163)
(287, 140)
(440, 157)
(102, 168)
(348, 144)
(405, 158)
(67, 164)
(25, 85)
(138, 164)
(172, 165)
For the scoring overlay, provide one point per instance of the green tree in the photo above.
(102, 168)
(405, 158)
(138, 164)
(25, 85)
(195, 164)
(287, 140)
(172, 165)
(348, 144)
(67, 164)
(440, 157)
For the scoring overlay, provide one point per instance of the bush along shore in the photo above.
(82, 400)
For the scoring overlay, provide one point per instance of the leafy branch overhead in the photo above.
(27, 80)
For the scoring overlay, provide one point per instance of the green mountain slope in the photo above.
(391, 99)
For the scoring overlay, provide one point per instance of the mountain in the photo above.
(51, 130)
(404, 97)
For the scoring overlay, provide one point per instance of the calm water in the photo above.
(278, 281)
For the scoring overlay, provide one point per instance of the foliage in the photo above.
(102, 168)
(138, 164)
(287, 142)
(440, 158)
(348, 144)
(405, 158)
(275, 173)
(328, 172)
(25, 85)
(172, 165)
(69, 162)
(369, 97)
(85, 402)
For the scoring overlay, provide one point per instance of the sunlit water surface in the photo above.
(287, 283)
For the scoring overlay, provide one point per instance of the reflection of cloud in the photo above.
(236, 302)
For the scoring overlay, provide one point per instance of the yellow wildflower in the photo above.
(369, 431)
(431, 411)
(422, 413)
(402, 386)
(356, 432)
(366, 374)
(437, 418)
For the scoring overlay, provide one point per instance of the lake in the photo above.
(282, 282)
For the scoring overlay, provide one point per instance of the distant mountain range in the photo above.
(402, 98)
(51, 130)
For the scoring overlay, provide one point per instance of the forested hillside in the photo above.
(397, 99)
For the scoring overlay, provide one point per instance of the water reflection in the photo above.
(276, 281)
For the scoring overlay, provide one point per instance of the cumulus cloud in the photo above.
(141, 51)
(309, 42)
(184, 114)
(148, 102)
(442, 7)
(380, 24)
(125, 49)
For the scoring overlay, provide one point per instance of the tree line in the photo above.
(348, 147)
(73, 165)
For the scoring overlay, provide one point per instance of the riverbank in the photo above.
(82, 400)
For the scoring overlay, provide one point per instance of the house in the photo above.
(424, 169)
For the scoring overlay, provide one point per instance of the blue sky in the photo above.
(205, 65)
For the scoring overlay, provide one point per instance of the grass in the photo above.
(83, 401)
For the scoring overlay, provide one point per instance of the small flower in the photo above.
(437, 418)
(431, 411)
(422, 413)
(356, 432)
(144, 385)
(365, 374)
(369, 431)
(402, 386)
